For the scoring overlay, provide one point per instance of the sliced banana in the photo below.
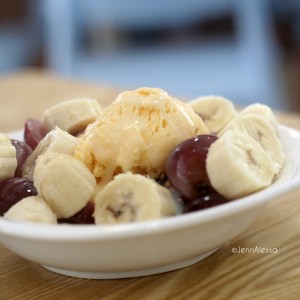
(8, 158)
(262, 131)
(131, 198)
(215, 111)
(31, 209)
(245, 158)
(57, 141)
(264, 111)
(64, 182)
(72, 116)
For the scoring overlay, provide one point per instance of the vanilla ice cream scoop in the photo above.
(136, 133)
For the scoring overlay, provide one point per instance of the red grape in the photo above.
(205, 201)
(13, 190)
(186, 167)
(84, 216)
(209, 199)
(23, 151)
(34, 132)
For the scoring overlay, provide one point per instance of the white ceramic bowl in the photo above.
(129, 250)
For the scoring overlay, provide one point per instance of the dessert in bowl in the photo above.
(178, 230)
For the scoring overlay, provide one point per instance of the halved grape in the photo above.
(13, 190)
(210, 200)
(186, 167)
(22, 151)
(84, 216)
(34, 132)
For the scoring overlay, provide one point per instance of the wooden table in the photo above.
(224, 275)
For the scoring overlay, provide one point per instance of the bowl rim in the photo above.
(70, 232)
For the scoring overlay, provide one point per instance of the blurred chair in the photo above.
(20, 40)
(245, 70)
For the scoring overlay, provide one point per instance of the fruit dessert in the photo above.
(144, 157)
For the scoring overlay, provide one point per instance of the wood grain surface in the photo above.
(223, 275)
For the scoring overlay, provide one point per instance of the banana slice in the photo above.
(215, 111)
(31, 209)
(72, 116)
(58, 141)
(246, 157)
(8, 158)
(262, 131)
(132, 198)
(64, 183)
(264, 111)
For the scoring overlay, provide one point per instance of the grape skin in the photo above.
(205, 201)
(186, 166)
(84, 216)
(22, 152)
(186, 171)
(13, 190)
(34, 132)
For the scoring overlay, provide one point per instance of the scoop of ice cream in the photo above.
(136, 133)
